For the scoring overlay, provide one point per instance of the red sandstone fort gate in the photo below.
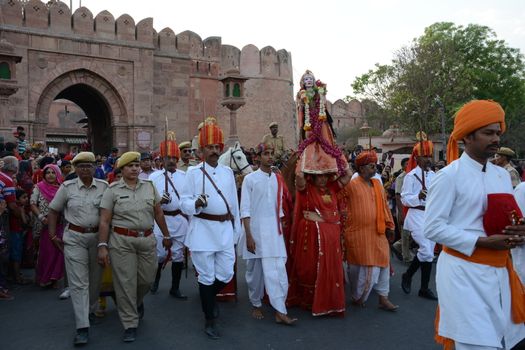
(127, 78)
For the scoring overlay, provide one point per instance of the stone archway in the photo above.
(99, 100)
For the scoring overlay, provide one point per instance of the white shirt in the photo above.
(410, 197)
(474, 299)
(177, 225)
(207, 235)
(518, 253)
(259, 203)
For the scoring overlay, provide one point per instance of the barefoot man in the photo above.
(264, 249)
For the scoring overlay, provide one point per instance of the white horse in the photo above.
(235, 158)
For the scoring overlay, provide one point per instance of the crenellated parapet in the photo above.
(57, 19)
(346, 114)
(209, 56)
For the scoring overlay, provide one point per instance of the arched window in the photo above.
(236, 90)
(5, 71)
(227, 90)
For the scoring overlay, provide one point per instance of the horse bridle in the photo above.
(232, 152)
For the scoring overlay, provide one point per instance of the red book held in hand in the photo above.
(502, 211)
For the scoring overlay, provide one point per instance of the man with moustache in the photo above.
(209, 195)
(481, 299)
(169, 182)
(413, 196)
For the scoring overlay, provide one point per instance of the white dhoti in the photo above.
(365, 278)
(214, 265)
(425, 252)
(269, 274)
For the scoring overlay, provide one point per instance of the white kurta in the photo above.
(259, 203)
(266, 269)
(177, 225)
(518, 253)
(415, 217)
(206, 235)
(474, 299)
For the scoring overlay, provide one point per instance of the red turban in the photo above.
(366, 157)
(169, 147)
(263, 147)
(210, 133)
(471, 117)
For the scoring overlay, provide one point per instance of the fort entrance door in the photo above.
(95, 96)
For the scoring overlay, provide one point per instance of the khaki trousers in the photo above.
(134, 264)
(83, 273)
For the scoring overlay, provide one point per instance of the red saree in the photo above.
(316, 279)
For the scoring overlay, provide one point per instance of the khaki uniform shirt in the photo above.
(184, 167)
(514, 175)
(80, 203)
(132, 208)
(277, 142)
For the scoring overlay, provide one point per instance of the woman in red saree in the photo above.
(316, 277)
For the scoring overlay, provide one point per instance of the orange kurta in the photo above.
(364, 245)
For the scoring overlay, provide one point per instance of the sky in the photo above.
(337, 40)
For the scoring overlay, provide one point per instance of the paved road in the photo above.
(36, 319)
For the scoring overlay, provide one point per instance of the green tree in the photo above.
(448, 66)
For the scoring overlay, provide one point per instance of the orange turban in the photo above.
(210, 133)
(471, 117)
(423, 148)
(366, 157)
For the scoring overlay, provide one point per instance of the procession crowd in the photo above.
(322, 224)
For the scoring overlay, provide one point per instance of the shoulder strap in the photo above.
(420, 181)
(220, 194)
(171, 183)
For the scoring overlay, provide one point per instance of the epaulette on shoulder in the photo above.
(100, 180)
(113, 184)
(69, 182)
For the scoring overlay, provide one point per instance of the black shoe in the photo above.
(406, 283)
(427, 294)
(93, 319)
(177, 294)
(130, 335)
(82, 336)
(140, 310)
(211, 330)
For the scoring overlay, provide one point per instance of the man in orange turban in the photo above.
(481, 299)
(169, 182)
(368, 223)
(209, 196)
(413, 196)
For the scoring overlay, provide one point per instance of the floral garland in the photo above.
(314, 119)
(307, 96)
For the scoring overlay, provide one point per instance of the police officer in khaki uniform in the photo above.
(80, 199)
(277, 141)
(130, 206)
(186, 156)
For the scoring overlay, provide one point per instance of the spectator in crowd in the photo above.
(50, 263)
(16, 238)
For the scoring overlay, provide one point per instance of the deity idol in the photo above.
(319, 152)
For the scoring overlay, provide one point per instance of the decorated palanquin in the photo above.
(319, 153)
